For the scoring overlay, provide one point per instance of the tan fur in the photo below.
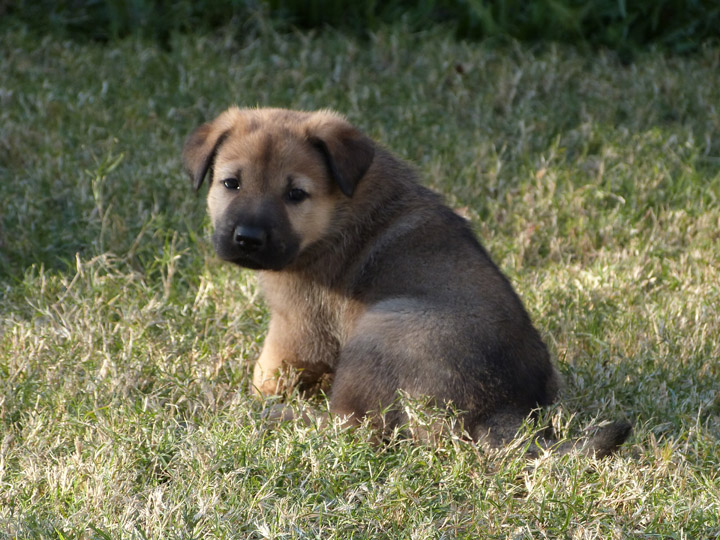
(368, 276)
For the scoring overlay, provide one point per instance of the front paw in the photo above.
(268, 382)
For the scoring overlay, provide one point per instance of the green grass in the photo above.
(676, 25)
(125, 347)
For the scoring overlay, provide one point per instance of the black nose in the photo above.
(249, 238)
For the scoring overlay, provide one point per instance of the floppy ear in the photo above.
(200, 150)
(346, 151)
(202, 145)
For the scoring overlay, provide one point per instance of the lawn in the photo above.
(126, 347)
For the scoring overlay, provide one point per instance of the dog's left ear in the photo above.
(202, 145)
(348, 153)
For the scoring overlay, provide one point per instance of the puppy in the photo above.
(369, 276)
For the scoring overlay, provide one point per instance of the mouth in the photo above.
(257, 260)
(245, 262)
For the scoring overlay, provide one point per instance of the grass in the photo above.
(125, 347)
(677, 25)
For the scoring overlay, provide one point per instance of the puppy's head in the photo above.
(276, 177)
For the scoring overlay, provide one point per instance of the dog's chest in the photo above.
(321, 318)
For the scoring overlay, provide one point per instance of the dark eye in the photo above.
(231, 183)
(297, 195)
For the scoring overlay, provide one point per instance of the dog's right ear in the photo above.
(203, 144)
(200, 150)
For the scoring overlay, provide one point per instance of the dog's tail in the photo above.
(606, 440)
(498, 432)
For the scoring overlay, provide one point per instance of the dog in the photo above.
(369, 277)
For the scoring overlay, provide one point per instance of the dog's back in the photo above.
(441, 320)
